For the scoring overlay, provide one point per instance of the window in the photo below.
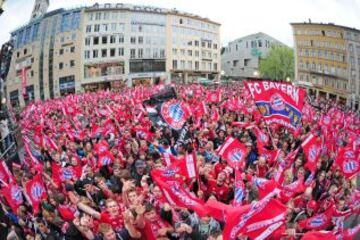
(132, 53)
(72, 49)
(112, 52)
(104, 40)
(197, 65)
(87, 54)
(95, 53)
(174, 51)
(162, 53)
(182, 52)
(121, 39)
(215, 46)
(18, 54)
(247, 62)
(72, 63)
(88, 28)
(190, 43)
(189, 65)
(140, 40)
(209, 44)
(180, 21)
(103, 52)
(98, 16)
(121, 51)
(196, 43)
(61, 65)
(174, 64)
(189, 52)
(133, 40)
(140, 53)
(61, 52)
(260, 43)
(25, 51)
(87, 41)
(96, 28)
(203, 44)
(197, 53)
(96, 41)
(215, 66)
(104, 28)
(182, 64)
(113, 26)
(112, 39)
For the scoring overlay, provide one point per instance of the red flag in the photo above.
(233, 152)
(35, 192)
(262, 139)
(13, 196)
(217, 209)
(270, 155)
(186, 166)
(108, 127)
(318, 222)
(105, 158)
(23, 81)
(279, 103)
(214, 97)
(290, 190)
(61, 174)
(101, 147)
(241, 124)
(264, 186)
(5, 174)
(311, 147)
(347, 161)
(50, 143)
(38, 139)
(214, 115)
(239, 191)
(199, 110)
(176, 195)
(143, 133)
(175, 113)
(350, 233)
(257, 221)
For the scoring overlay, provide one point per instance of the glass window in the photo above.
(103, 52)
(112, 39)
(174, 64)
(112, 52)
(95, 53)
(72, 49)
(65, 22)
(61, 65)
(72, 63)
(104, 40)
(133, 40)
(96, 40)
(98, 16)
(87, 54)
(121, 39)
(121, 51)
(75, 21)
(140, 40)
(140, 53)
(113, 26)
(162, 53)
(132, 53)
(96, 28)
(104, 28)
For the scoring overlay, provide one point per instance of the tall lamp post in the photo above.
(256, 74)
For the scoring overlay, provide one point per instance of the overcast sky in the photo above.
(238, 17)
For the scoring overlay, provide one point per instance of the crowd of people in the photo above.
(95, 155)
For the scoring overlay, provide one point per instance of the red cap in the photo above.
(311, 204)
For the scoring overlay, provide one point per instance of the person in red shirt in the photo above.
(155, 227)
(218, 187)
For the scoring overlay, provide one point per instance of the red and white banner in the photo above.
(233, 152)
(311, 147)
(257, 221)
(5, 174)
(35, 192)
(278, 102)
(62, 174)
(348, 161)
(13, 196)
(177, 195)
(318, 222)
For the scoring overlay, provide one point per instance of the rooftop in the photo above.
(325, 24)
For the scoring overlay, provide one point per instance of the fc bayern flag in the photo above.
(175, 113)
(105, 158)
(278, 102)
(347, 161)
(60, 174)
(5, 174)
(186, 166)
(177, 195)
(311, 147)
(257, 221)
(35, 192)
(214, 97)
(233, 152)
(319, 221)
(13, 196)
(319, 235)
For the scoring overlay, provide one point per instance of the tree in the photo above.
(279, 63)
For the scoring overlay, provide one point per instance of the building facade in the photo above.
(327, 61)
(110, 46)
(240, 58)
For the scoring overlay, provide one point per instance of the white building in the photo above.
(240, 58)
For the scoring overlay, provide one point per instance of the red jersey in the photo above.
(117, 222)
(221, 192)
(151, 229)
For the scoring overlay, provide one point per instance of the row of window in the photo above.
(105, 27)
(71, 64)
(328, 82)
(196, 53)
(303, 52)
(62, 50)
(119, 52)
(323, 44)
(323, 68)
(114, 39)
(324, 33)
(194, 23)
(196, 43)
(184, 31)
(188, 65)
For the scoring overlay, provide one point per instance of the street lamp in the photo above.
(288, 79)
(256, 73)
